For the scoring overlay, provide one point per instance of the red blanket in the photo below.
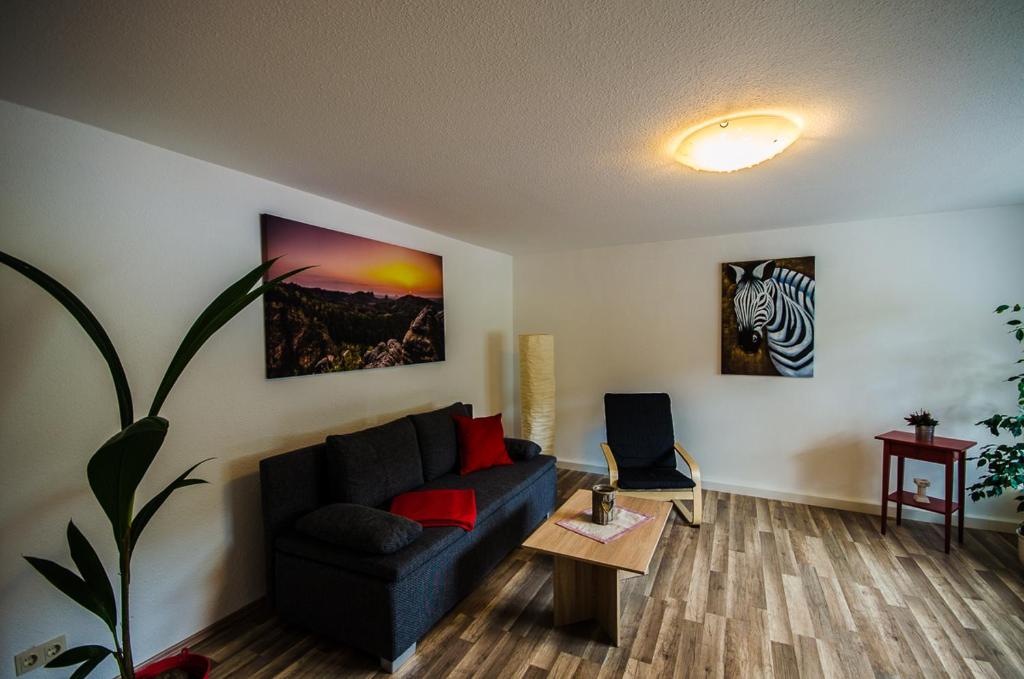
(438, 507)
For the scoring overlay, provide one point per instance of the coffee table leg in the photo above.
(586, 592)
(606, 604)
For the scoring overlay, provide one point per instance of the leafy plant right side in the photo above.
(1002, 464)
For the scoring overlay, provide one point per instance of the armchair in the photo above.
(641, 453)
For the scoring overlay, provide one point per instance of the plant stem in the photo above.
(118, 653)
(128, 668)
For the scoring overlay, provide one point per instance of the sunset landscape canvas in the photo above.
(366, 304)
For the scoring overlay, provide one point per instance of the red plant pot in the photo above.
(197, 666)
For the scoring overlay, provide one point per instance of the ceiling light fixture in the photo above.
(736, 142)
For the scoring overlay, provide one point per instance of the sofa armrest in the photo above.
(521, 449)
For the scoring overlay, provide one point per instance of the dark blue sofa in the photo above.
(384, 603)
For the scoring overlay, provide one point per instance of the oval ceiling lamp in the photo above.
(736, 142)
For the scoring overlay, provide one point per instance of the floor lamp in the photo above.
(537, 389)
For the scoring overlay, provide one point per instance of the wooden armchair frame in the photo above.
(673, 495)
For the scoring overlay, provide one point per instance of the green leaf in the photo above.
(119, 465)
(91, 568)
(220, 311)
(1001, 308)
(1015, 321)
(72, 586)
(79, 654)
(88, 322)
(1019, 334)
(151, 507)
(86, 668)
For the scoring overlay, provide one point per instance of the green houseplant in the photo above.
(1002, 465)
(117, 468)
(924, 424)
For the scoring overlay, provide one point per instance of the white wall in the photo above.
(146, 238)
(904, 320)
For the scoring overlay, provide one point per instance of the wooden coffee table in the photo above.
(587, 572)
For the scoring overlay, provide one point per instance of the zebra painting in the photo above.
(768, 317)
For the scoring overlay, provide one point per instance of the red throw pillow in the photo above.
(481, 443)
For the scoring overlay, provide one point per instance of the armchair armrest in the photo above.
(613, 466)
(690, 462)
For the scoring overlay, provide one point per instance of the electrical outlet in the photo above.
(53, 648)
(37, 656)
(26, 661)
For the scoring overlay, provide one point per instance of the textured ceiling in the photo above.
(528, 126)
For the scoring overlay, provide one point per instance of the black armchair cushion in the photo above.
(372, 466)
(436, 434)
(654, 479)
(364, 529)
(640, 430)
(521, 449)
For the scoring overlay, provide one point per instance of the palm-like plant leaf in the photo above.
(119, 465)
(88, 322)
(86, 667)
(220, 311)
(151, 507)
(79, 654)
(91, 568)
(73, 586)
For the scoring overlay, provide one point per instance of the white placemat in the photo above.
(623, 521)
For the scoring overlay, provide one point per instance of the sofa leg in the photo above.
(391, 666)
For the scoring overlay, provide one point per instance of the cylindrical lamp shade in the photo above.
(537, 389)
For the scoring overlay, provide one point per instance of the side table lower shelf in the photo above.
(935, 504)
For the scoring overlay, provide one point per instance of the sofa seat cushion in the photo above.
(363, 529)
(438, 445)
(494, 487)
(372, 466)
(654, 479)
(389, 567)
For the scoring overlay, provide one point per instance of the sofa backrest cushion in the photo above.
(372, 466)
(436, 434)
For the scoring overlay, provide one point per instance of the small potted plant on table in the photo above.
(1001, 466)
(923, 423)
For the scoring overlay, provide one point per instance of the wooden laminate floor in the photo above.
(763, 588)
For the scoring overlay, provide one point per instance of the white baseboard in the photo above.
(862, 506)
(580, 467)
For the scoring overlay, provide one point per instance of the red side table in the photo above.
(940, 450)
